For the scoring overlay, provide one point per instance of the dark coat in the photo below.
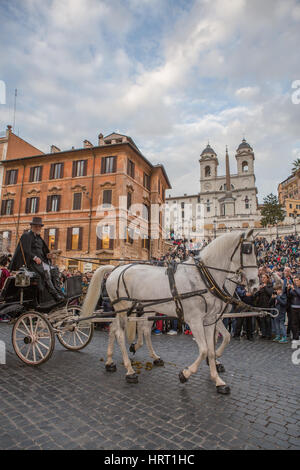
(26, 243)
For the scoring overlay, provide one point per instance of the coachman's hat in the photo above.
(37, 221)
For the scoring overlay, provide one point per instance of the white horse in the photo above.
(145, 282)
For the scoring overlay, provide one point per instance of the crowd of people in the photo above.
(279, 275)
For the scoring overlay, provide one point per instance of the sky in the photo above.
(172, 74)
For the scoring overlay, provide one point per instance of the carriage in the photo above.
(36, 324)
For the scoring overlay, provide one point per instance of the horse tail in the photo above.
(94, 290)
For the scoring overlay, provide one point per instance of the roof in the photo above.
(208, 150)
(244, 145)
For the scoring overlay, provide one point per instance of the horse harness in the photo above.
(209, 281)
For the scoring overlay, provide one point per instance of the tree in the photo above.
(272, 212)
(296, 166)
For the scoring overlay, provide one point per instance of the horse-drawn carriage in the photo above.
(35, 323)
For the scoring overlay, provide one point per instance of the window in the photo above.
(130, 168)
(77, 199)
(105, 240)
(5, 240)
(7, 207)
(146, 182)
(35, 174)
(245, 167)
(290, 206)
(146, 214)
(74, 238)
(32, 205)
(79, 168)
(208, 205)
(129, 235)
(53, 203)
(107, 197)
(11, 177)
(51, 238)
(145, 242)
(182, 205)
(108, 165)
(56, 171)
(158, 186)
(207, 171)
(163, 194)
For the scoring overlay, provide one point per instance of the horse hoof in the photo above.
(182, 377)
(158, 362)
(220, 368)
(132, 379)
(223, 389)
(110, 367)
(132, 348)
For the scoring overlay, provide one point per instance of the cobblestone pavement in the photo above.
(72, 403)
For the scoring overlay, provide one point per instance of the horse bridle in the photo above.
(246, 249)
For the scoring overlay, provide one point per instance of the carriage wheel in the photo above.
(33, 338)
(78, 335)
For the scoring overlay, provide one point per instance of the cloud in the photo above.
(169, 74)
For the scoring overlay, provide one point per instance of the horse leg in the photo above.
(147, 327)
(210, 340)
(225, 341)
(220, 328)
(199, 335)
(131, 376)
(135, 346)
(110, 366)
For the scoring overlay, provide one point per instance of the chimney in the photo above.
(87, 144)
(100, 139)
(8, 130)
(54, 149)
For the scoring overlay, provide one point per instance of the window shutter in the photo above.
(74, 169)
(80, 238)
(85, 168)
(99, 239)
(58, 202)
(37, 204)
(111, 237)
(31, 174)
(62, 170)
(114, 164)
(16, 176)
(46, 236)
(69, 238)
(103, 165)
(41, 173)
(52, 171)
(3, 207)
(56, 238)
(48, 207)
(27, 206)
(7, 176)
(12, 207)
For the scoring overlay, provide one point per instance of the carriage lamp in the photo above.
(22, 279)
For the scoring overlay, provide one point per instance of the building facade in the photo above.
(225, 202)
(289, 195)
(96, 202)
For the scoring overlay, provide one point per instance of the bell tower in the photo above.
(208, 166)
(245, 159)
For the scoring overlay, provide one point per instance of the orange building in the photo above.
(75, 191)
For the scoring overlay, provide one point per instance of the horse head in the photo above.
(245, 256)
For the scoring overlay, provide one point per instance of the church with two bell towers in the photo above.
(228, 202)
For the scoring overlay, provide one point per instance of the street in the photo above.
(71, 402)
